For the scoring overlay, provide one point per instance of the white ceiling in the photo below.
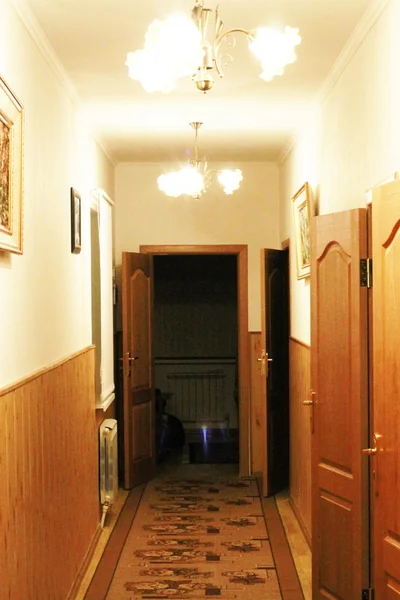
(244, 117)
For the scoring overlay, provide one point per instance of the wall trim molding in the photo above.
(37, 34)
(286, 150)
(359, 34)
(33, 27)
(85, 564)
(297, 341)
(364, 26)
(21, 382)
(300, 519)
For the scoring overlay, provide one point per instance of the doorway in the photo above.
(239, 254)
(195, 329)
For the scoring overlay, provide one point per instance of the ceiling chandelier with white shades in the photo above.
(184, 46)
(195, 177)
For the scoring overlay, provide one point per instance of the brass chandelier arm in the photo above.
(222, 38)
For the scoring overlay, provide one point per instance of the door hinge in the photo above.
(367, 594)
(366, 272)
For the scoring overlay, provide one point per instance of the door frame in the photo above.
(241, 252)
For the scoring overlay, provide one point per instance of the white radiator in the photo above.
(108, 461)
(198, 397)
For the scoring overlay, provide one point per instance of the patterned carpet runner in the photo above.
(196, 537)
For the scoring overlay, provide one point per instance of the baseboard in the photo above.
(85, 564)
(300, 519)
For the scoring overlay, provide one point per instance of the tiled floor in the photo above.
(299, 547)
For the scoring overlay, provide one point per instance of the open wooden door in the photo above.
(385, 448)
(138, 401)
(339, 406)
(274, 370)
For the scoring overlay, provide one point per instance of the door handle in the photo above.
(127, 359)
(263, 359)
(374, 448)
(311, 403)
(373, 452)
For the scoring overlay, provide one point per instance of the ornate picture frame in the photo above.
(11, 169)
(76, 218)
(301, 220)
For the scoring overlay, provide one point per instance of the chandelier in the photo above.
(195, 177)
(182, 46)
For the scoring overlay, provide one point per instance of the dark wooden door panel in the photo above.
(274, 369)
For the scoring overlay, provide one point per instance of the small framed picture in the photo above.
(301, 217)
(75, 221)
(11, 170)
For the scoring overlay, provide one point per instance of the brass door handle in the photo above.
(369, 451)
(374, 449)
(309, 402)
(373, 452)
(129, 359)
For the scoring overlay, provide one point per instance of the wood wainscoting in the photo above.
(49, 506)
(300, 434)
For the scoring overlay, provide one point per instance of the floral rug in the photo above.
(196, 537)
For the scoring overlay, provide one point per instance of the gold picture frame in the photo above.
(301, 219)
(11, 169)
(76, 219)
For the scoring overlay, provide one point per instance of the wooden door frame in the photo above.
(241, 252)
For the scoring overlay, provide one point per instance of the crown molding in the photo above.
(286, 150)
(34, 29)
(108, 154)
(36, 32)
(359, 34)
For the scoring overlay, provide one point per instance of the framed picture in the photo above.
(11, 175)
(301, 219)
(75, 221)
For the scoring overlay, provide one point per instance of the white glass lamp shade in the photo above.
(230, 180)
(274, 49)
(172, 49)
(188, 181)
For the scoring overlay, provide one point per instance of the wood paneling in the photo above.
(258, 418)
(49, 507)
(300, 434)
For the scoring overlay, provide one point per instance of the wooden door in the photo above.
(386, 377)
(339, 406)
(275, 367)
(138, 402)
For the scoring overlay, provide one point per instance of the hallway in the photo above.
(233, 552)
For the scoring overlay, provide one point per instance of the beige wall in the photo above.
(353, 143)
(45, 293)
(143, 215)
